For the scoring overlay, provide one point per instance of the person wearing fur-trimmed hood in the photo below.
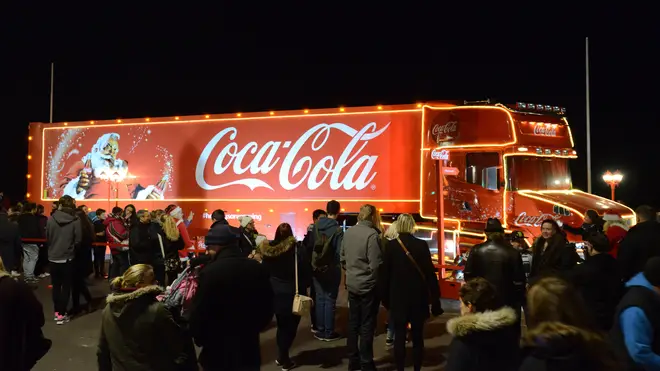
(615, 229)
(486, 334)
(279, 258)
(137, 331)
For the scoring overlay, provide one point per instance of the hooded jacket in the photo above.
(10, 242)
(115, 232)
(139, 334)
(64, 233)
(279, 259)
(640, 245)
(484, 341)
(29, 226)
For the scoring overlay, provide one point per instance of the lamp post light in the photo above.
(613, 180)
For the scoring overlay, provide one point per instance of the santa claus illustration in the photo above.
(99, 171)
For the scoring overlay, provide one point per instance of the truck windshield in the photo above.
(537, 173)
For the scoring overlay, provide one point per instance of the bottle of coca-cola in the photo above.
(88, 166)
(160, 187)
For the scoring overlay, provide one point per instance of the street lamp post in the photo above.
(613, 180)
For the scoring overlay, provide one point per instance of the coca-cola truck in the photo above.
(506, 162)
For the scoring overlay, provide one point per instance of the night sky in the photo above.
(113, 65)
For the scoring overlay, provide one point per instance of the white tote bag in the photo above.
(302, 304)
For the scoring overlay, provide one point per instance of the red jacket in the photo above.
(115, 232)
(615, 234)
(187, 242)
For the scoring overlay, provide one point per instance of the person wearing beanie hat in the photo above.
(232, 305)
(615, 229)
(247, 243)
(636, 331)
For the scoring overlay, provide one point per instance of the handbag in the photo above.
(302, 305)
(412, 260)
(171, 264)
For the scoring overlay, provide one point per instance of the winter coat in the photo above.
(279, 260)
(500, 264)
(557, 259)
(247, 242)
(584, 230)
(99, 227)
(30, 227)
(361, 255)
(484, 341)
(10, 242)
(64, 233)
(404, 292)
(82, 262)
(642, 242)
(115, 232)
(21, 318)
(560, 347)
(598, 281)
(143, 244)
(616, 232)
(187, 242)
(232, 305)
(139, 334)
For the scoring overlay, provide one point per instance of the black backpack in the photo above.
(324, 250)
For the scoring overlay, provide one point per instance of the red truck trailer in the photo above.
(507, 162)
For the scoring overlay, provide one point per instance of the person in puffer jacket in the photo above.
(615, 230)
(116, 233)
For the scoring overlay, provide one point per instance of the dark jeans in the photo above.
(417, 335)
(120, 264)
(79, 287)
(99, 261)
(362, 315)
(326, 287)
(61, 276)
(287, 327)
(312, 317)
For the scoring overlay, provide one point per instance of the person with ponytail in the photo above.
(177, 213)
(137, 331)
(172, 245)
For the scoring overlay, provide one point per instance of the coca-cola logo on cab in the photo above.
(445, 132)
(533, 220)
(545, 130)
(258, 159)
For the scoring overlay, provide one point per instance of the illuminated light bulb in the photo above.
(343, 209)
(91, 122)
(342, 109)
(306, 209)
(380, 107)
(306, 111)
(557, 181)
(118, 121)
(271, 210)
(29, 157)
(176, 118)
(30, 137)
(29, 176)
(207, 116)
(568, 181)
(147, 119)
(238, 115)
(238, 210)
(380, 210)
(272, 113)
(66, 124)
(206, 209)
(419, 105)
(27, 195)
(522, 149)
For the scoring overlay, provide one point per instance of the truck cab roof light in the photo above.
(532, 107)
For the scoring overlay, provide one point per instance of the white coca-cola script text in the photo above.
(443, 132)
(545, 130)
(534, 220)
(314, 171)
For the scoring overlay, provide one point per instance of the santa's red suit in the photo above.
(177, 214)
(615, 230)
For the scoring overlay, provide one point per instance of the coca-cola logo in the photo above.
(545, 130)
(315, 171)
(534, 220)
(445, 132)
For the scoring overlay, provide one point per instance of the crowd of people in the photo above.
(597, 311)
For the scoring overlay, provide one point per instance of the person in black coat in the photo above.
(82, 264)
(500, 264)
(409, 286)
(10, 243)
(279, 259)
(232, 305)
(551, 253)
(593, 223)
(640, 244)
(99, 237)
(486, 334)
(598, 281)
(143, 243)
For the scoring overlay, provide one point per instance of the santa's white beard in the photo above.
(100, 165)
(177, 213)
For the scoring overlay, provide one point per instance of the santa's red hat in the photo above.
(610, 216)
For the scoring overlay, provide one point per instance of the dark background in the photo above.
(123, 63)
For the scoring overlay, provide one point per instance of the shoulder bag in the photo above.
(302, 304)
(414, 263)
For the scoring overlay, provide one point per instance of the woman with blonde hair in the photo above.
(562, 334)
(409, 287)
(172, 244)
(137, 331)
